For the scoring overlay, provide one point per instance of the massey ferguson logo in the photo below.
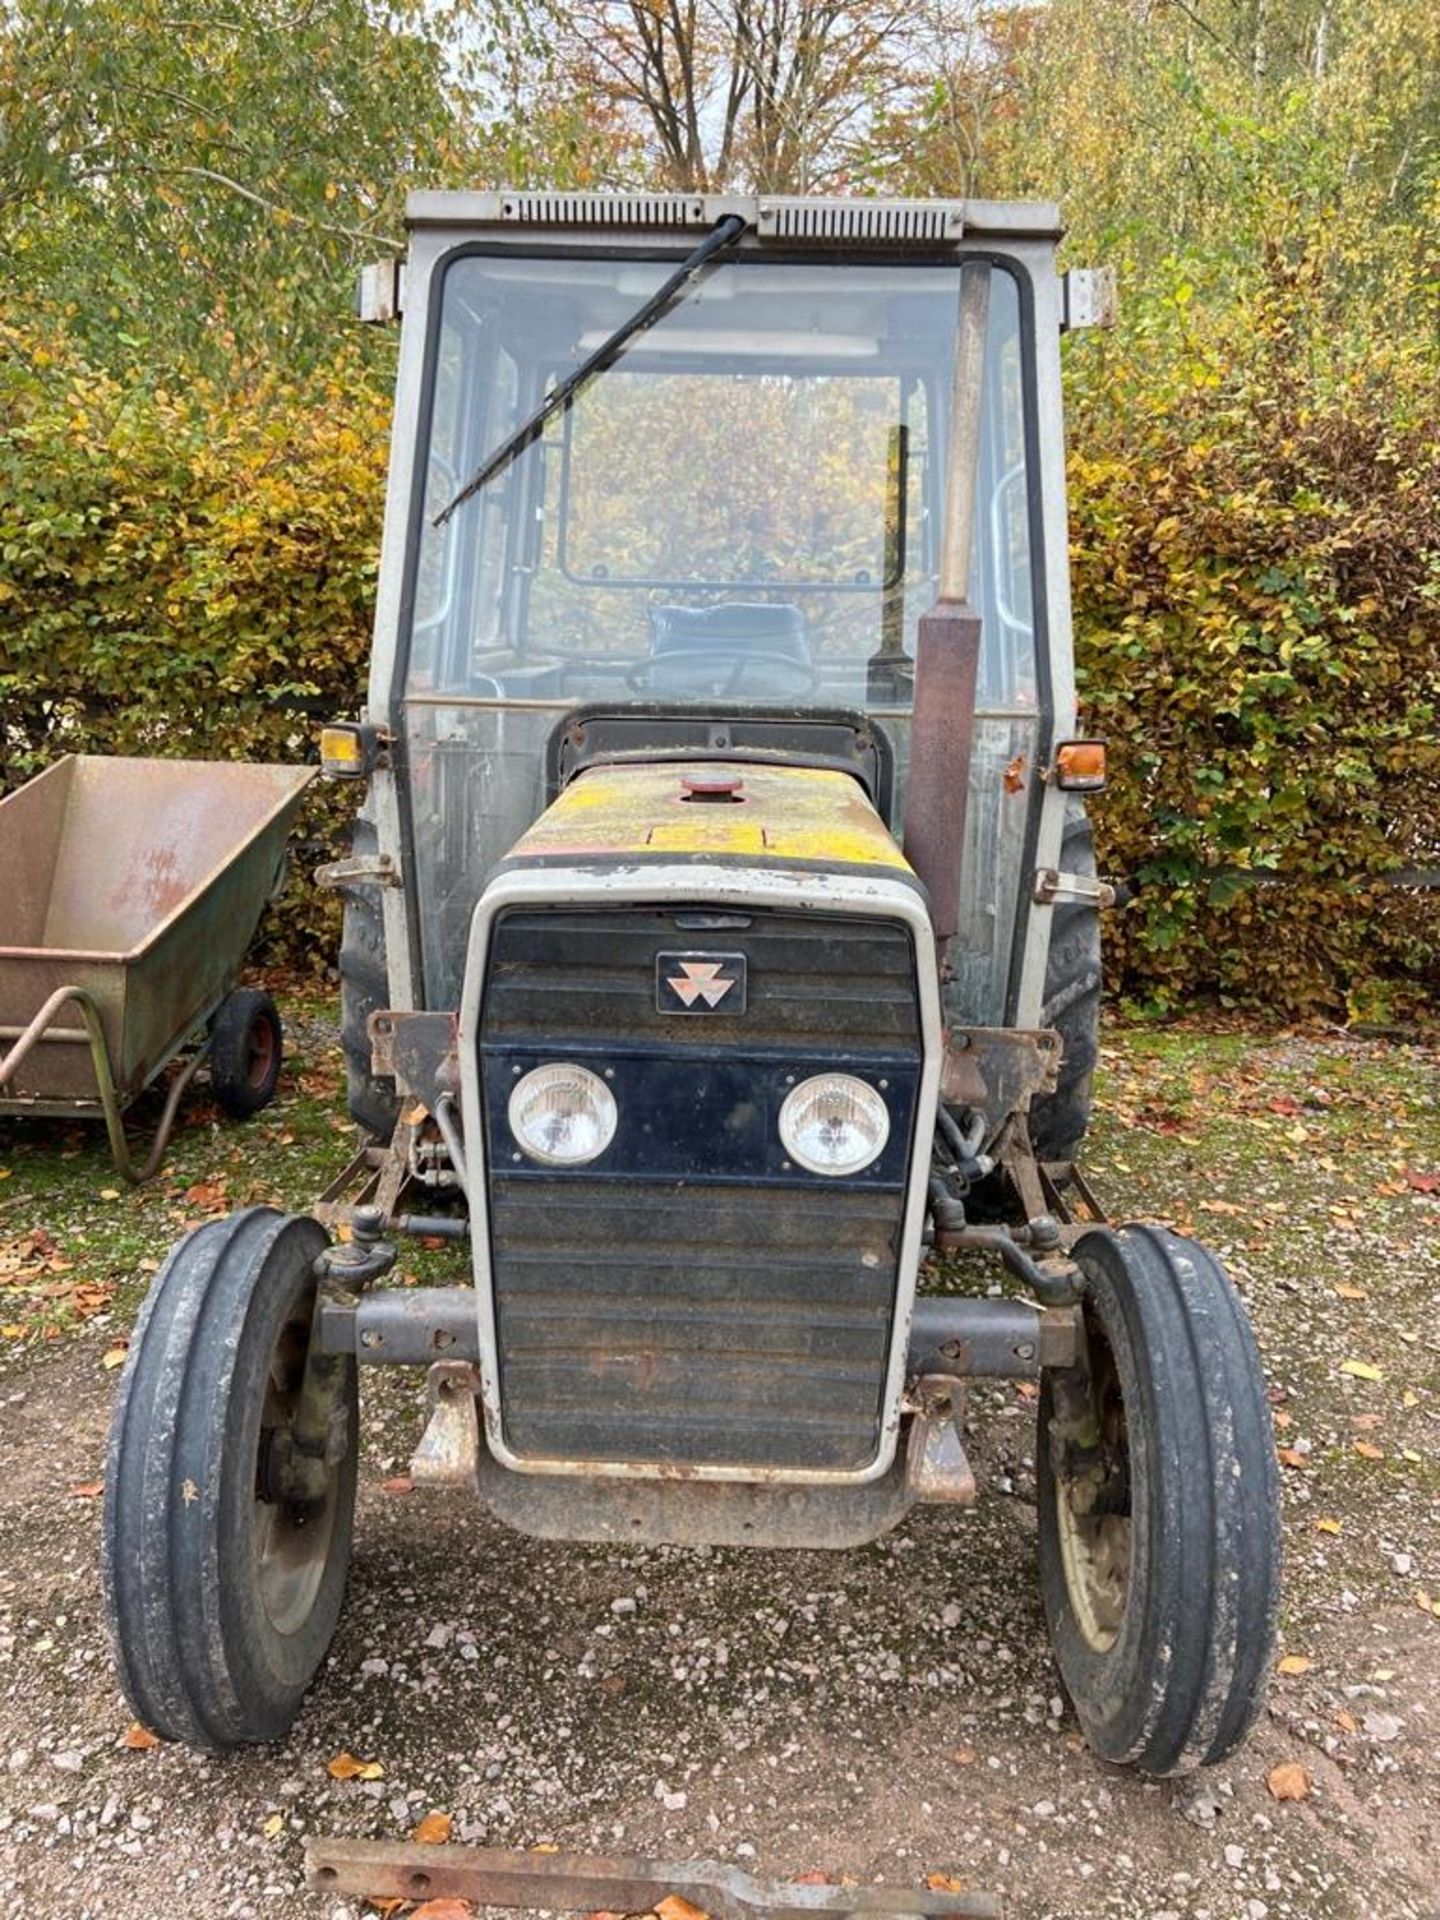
(700, 982)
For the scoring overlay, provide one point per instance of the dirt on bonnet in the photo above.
(891, 1713)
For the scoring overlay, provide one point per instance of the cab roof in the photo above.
(886, 223)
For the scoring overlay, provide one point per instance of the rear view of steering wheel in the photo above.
(650, 674)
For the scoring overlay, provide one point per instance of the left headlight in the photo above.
(834, 1124)
(562, 1115)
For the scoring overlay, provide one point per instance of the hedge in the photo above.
(189, 569)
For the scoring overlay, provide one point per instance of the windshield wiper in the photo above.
(725, 233)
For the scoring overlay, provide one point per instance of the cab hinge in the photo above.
(365, 870)
(1052, 886)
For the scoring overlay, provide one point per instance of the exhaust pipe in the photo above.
(947, 649)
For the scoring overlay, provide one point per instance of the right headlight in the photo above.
(834, 1124)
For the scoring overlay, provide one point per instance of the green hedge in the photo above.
(189, 570)
(1256, 557)
(186, 570)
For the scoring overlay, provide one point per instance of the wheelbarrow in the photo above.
(129, 892)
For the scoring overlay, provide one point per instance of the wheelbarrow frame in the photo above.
(141, 1007)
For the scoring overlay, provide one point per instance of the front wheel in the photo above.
(1159, 1507)
(221, 1590)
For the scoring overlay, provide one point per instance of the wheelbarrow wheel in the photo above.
(1159, 1528)
(221, 1593)
(246, 1044)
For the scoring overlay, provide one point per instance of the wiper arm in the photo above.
(724, 234)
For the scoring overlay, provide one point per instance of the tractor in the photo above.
(720, 979)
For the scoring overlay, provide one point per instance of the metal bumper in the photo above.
(963, 1338)
(951, 1341)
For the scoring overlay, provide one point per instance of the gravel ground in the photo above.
(890, 1713)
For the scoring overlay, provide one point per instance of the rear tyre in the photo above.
(1072, 1002)
(364, 989)
(246, 1045)
(222, 1599)
(1159, 1527)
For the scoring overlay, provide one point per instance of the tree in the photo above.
(778, 95)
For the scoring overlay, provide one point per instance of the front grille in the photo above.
(667, 1325)
(690, 1300)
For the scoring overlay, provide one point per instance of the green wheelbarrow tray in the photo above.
(129, 892)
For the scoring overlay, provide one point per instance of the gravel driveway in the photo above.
(891, 1713)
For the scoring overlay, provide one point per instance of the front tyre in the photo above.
(1159, 1509)
(221, 1596)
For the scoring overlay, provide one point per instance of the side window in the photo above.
(460, 580)
(1002, 563)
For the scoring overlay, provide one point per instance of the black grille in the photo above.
(712, 1319)
(672, 1325)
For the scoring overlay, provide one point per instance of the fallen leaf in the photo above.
(1327, 1526)
(86, 1489)
(1365, 1422)
(139, 1739)
(208, 1194)
(1290, 1456)
(1346, 1721)
(1014, 775)
(1347, 1292)
(1422, 1182)
(1367, 1450)
(673, 1907)
(433, 1830)
(443, 1910)
(109, 1193)
(113, 1357)
(1295, 1663)
(1288, 1781)
(964, 1756)
(274, 1825)
(1361, 1370)
(815, 1879)
(1409, 1398)
(346, 1767)
(402, 1483)
(944, 1883)
(1297, 1134)
(1282, 1418)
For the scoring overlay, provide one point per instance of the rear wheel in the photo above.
(1159, 1507)
(221, 1594)
(1072, 1002)
(246, 1044)
(364, 989)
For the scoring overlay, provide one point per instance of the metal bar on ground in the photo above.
(575, 1882)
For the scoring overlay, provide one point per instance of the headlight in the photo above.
(563, 1116)
(834, 1124)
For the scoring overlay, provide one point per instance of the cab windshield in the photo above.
(745, 506)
